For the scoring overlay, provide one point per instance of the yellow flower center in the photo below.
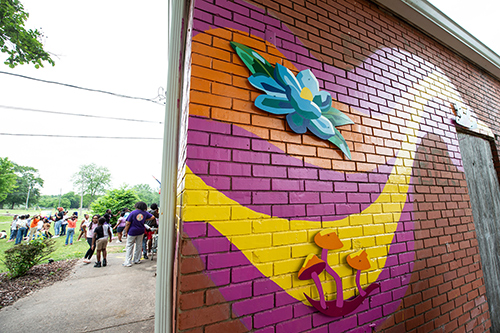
(306, 94)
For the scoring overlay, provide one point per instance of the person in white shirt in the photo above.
(13, 229)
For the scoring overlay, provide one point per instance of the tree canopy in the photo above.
(93, 178)
(7, 178)
(115, 200)
(28, 186)
(146, 193)
(22, 46)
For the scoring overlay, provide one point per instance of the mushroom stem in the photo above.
(336, 277)
(316, 280)
(358, 283)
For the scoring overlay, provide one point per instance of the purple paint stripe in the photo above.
(235, 172)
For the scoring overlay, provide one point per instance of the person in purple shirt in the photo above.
(134, 228)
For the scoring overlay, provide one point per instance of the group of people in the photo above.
(25, 227)
(138, 227)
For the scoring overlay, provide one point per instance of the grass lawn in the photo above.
(77, 250)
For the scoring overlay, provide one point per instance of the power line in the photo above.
(80, 136)
(77, 114)
(89, 89)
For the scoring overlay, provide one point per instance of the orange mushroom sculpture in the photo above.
(313, 266)
(359, 260)
(329, 240)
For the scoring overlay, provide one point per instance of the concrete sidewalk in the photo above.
(106, 299)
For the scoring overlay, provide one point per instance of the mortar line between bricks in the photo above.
(118, 325)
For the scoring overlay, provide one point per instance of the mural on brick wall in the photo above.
(288, 228)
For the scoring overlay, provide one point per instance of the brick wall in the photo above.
(256, 193)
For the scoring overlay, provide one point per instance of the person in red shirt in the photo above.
(71, 229)
(33, 227)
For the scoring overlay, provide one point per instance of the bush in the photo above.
(20, 258)
(115, 200)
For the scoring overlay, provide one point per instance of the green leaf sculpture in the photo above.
(254, 61)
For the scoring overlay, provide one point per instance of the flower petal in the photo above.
(322, 128)
(285, 77)
(324, 100)
(267, 84)
(275, 105)
(297, 123)
(307, 79)
(306, 108)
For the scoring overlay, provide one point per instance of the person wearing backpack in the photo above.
(100, 241)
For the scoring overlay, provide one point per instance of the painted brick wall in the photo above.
(256, 193)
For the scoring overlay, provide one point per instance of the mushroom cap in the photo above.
(311, 264)
(328, 239)
(359, 260)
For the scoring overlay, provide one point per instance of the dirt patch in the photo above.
(38, 277)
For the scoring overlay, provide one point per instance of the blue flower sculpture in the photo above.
(299, 97)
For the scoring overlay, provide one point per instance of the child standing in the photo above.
(83, 226)
(120, 225)
(101, 235)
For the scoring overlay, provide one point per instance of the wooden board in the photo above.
(484, 191)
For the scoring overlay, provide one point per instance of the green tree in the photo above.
(22, 46)
(68, 200)
(7, 178)
(28, 186)
(94, 180)
(146, 193)
(115, 200)
(48, 201)
(74, 200)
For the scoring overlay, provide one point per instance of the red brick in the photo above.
(233, 326)
(191, 300)
(191, 265)
(203, 316)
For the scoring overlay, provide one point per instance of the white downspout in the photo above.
(167, 231)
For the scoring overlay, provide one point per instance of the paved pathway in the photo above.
(107, 299)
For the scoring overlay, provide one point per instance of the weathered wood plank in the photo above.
(484, 192)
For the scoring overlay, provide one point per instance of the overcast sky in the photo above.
(115, 46)
(478, 17)
(119, 47)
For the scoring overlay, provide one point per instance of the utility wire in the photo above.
(88, 89)
(77, 114)
(80, 136)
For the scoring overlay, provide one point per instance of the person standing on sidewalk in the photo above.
(90, 235)
(120, 226)
(100, 241)
(134, 229)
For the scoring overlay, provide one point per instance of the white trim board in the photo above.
(435, 23)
